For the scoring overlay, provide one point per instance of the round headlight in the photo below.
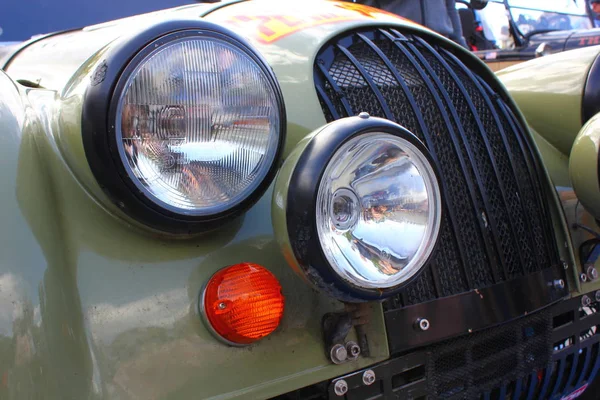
(362, 208)
(378, 210)
(198, 125)
(195, 124)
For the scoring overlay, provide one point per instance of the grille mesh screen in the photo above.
(467, 366)
(496, 225)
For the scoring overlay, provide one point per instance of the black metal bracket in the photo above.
(474, 310)
(336, 327)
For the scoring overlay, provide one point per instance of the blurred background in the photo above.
(21, 19)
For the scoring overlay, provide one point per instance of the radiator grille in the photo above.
(496, 224)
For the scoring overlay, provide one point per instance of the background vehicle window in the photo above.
(543, 15)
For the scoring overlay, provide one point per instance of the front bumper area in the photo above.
(548, 354)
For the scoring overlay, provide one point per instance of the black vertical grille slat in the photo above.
(457, 179)
(334, 93)
(536, 176)
(471, 117)
(496, 224)
(484, 275)
(509, 183)
(444, 267)
(382, 103)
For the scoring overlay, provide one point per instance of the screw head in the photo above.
(592, 273)
(340, 387)
(364, 115)
(422, 324)
(222, 306)
(368, 377)
(353, 350)
(586, 301)
(338, 354)
(583, 278)
(559, 284)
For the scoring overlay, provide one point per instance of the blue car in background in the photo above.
(20, 20)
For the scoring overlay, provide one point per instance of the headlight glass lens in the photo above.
(378, 210)
(198, 125)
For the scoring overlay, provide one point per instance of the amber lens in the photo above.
(243, 303)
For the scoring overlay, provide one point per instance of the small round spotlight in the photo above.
(375, 218)
(363, 208)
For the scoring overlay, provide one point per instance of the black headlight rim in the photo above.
(99, 128)
(590, 102)
(302, 198)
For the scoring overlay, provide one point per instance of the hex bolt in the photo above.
(422, 324)
(592, 273)
(364, 115)
(559, 284)
(583, 278)
(586, 301)
(369, 377)
(338, 354)
(353, 350)
(597, 296)
(340, 387)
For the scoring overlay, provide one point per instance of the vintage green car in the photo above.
(295, 200)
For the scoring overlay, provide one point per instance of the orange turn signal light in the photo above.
(242, 303)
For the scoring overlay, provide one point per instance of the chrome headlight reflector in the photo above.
(363, 208)
(194, 123)
(378, 210)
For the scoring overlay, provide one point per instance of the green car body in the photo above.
(95, 305)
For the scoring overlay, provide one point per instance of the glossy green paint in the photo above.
(113, 309)
(119, 319)
(583, 166)
(99, 307)
(549, 92)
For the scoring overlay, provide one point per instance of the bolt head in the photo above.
(597, 296)
(368, 377)
(340, 387)
(422, 324)
(364, 115)
(592, 273)
(586, 301)
(338, 354)
(564, 263)
(353, 350)
(559, 284)
(583, 278)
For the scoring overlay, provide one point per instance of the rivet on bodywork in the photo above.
(364, 115)
(559, 284)
(353, 350)
(340, 387)
(586, 301)
(592, 273)
(368, 377)
(422, 324)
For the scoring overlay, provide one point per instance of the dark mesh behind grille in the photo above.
(496, 225)
(468, 366)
